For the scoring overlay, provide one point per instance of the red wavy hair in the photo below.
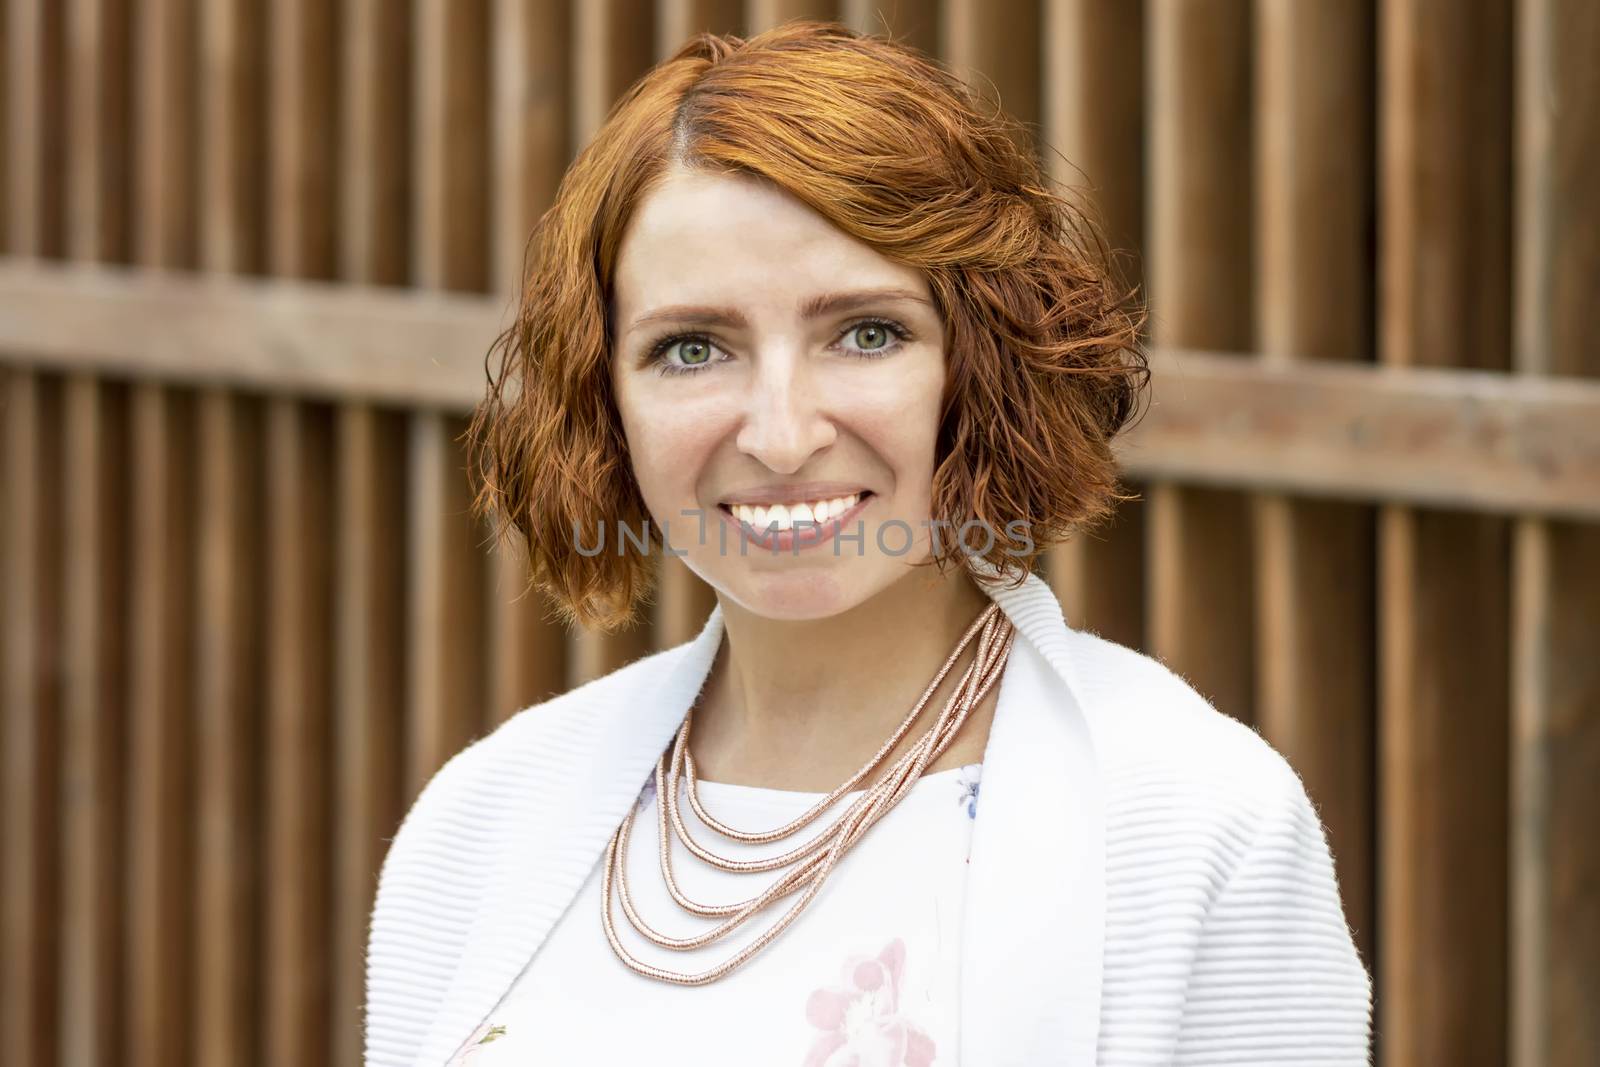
(1043, 344)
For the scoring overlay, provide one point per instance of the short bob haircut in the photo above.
(1044, 365)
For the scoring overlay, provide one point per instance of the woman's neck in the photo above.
(802, 705)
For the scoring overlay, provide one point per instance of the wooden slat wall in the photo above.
(96, 563)
(240, 631)
(1555, 736)
(1443, 601)
(1198, 123)
(1093, 119)
(1315, 669)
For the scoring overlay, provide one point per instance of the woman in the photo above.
(805, 316)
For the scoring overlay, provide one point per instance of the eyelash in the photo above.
(658, 350)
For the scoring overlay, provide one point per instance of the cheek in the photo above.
(897, 413)
(669, 442)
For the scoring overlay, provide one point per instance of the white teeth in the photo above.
(784, 516)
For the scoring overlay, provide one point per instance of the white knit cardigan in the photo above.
(1149, 883)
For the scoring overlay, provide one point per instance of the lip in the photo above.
(807, 536)
(803, 492)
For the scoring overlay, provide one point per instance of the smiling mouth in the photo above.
(785, 517)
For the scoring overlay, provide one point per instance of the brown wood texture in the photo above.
(1316, 682)
(613, 42)
(233, 135)
(1443, 95)
(369, 691)
(1555, 749)
(230, 718)
(30, 695)
(254, 255)
(98, 130)
(1200, 554)
(915, 22)
(299, 735)
(159, 835)
(93, 724)
(1093, 122)
(369, 493)
(765, 14)
(1468, 440)
(979, 40)
(530, 113)
(445, 566)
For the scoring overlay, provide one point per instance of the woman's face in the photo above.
(765, 359)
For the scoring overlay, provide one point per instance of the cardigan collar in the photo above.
(1033, 924)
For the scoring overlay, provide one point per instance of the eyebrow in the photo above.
(814, 308)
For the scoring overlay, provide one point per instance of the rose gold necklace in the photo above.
(813, 861)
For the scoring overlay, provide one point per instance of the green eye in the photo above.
(693, 352)
(871, 336)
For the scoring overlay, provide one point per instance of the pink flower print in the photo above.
(860, 1017)
(480, 1037)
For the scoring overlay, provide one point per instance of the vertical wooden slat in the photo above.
(166, 230)
(532, 109)
(981, 42)
(446, 563)
(230, 681)
(94, 569)
(233, 137)
(158, 979)
(527, 659)
(26, 191)
(374, 237)
(304, 133)
(915, 22)
(369, 673)
(1555, 933)
(445, 686)
(28, 701)
(678, 20)
(375, 171)
(94, 578)
(1093, 115)
(231, 709)
(612, 41)
(452, 184)
(299, 695)
(97, 130)
(1199, 270)
(765, 14)
(1444, 89)
(1316, 568)
(612, 47)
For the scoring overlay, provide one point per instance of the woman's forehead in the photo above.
(699, 236)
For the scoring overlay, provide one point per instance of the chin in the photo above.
(781, 589)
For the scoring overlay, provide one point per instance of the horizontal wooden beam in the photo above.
(1469, 440)
(1444, 438)
(401, 347)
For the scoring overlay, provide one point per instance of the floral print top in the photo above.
(866, 976)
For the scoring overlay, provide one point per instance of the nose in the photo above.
(785, 422)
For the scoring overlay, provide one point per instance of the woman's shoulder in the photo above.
(1152, 725)
(569, 719)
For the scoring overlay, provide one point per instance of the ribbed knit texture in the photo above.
(1202, 922)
